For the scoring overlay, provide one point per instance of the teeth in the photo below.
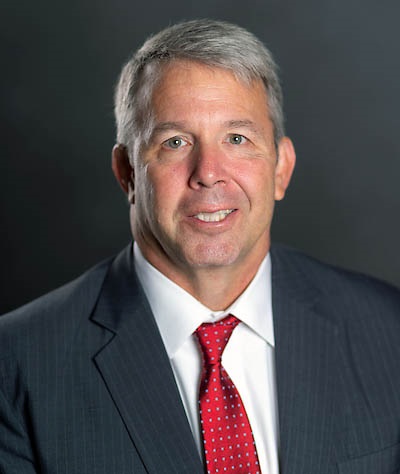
(213, 216)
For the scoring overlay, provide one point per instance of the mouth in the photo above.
(217, 216)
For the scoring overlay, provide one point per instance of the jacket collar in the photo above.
(137, 373)
(306, 348)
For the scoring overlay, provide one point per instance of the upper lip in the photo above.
(211, 211)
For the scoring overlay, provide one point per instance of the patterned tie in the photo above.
(228, 441)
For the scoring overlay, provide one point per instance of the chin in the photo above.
(211, 256)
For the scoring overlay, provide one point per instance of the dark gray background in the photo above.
(61, 210)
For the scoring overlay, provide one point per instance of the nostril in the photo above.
(208, 183)
(209, 169)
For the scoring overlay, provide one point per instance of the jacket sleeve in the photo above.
(16, 456)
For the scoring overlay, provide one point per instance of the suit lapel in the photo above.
(138, 375)
(305, 367)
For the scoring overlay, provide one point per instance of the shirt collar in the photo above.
(178, 314)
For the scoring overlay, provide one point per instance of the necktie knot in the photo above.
(213, 338)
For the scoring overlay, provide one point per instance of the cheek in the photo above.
(144, 195)
(258, 183)
(167, 185)
(168, 178)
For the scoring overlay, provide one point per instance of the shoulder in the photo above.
(355, 293)
(56, 313)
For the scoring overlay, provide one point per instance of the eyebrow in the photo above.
(249, 124)
(164, 126)
(233, 124)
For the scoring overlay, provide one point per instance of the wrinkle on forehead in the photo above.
(187, 85)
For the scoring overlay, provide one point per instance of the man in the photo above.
(111, 373)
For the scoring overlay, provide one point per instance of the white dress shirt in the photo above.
(248, 357)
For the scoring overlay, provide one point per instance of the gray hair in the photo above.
(213, 43)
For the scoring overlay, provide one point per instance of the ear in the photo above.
(284, 167)
(123, 171)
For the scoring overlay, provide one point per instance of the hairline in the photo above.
(143, 73)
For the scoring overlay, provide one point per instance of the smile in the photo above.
(213, 216)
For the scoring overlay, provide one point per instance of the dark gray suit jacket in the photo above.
(86, 386)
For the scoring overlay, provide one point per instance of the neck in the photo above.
(215, 287)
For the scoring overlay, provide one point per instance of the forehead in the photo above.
(186, 84)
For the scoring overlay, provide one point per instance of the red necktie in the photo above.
(228, 441)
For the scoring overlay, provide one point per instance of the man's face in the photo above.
(205, 195)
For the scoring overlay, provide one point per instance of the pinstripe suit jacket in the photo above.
(87, 388)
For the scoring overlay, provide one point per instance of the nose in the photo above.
(209, 168)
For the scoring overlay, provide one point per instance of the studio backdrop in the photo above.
(62, 211)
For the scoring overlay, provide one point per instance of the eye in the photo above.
(175, 142)
(236, 139)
